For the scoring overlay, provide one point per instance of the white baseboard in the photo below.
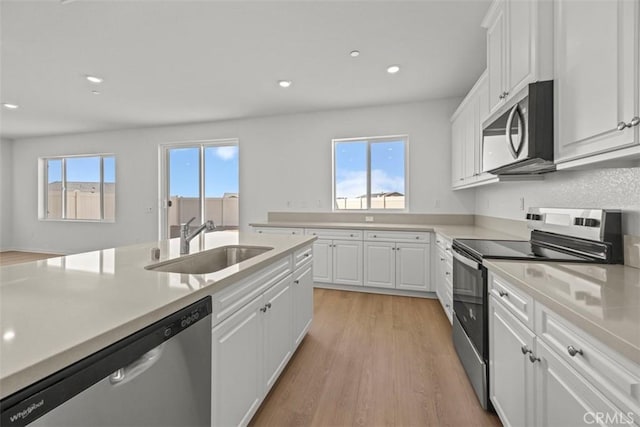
(382, 291)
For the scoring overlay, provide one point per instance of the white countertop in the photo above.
(56, 311)
(601, 299)
(449, 231)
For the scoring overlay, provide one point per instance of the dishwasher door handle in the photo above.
(137, 367)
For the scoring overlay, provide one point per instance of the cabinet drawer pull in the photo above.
(441, 259)
(268, 305)
(296, 281)
(260, 231)
(438, 241)
(306, 255)
(634, 122)
(525, 350)
(374, 236)
(417, 237)
(533, 358)
(503, 294)
(263, 309)
(448, 273)
(350, 235)
(573, 351)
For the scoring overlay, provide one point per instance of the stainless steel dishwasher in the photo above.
(159, 376)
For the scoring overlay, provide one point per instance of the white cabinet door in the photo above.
(457, 147)
(470, 138)
(511, 372)
(563, 397)
(596, 60)
(520, 55)
(413, 267)
(347, 262)
(439, 262)
(496, 57)
(237, 380)
(379, 264)
(302, 303)
(278, 332)
(323, 261)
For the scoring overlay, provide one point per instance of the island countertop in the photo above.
(57, 311)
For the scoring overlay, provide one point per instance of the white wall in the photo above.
(601, 188)
(282, 159)
(6, 193)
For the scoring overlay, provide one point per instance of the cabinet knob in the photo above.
(533, 358)
(263, 309)
(268, 305)
(622, 125)
(506, 94)
(350, 235)
(635, 121)
(573, 351)
(374, 236)
(447, 305)
(260, 231)
(441, 259)
(438, 241)
(306, 255)
(417, 237)
(447, 273)
(296, 281)
(525, 350)
(501, 96)
(503, 294)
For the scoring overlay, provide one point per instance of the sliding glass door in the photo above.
(201, 181)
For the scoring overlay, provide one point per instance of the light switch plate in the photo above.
(368, 219)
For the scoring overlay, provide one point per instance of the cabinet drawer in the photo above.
(302, 255)
(279, 230)
(442, 242)
(328, 233)
(611, 374)
(515, 300)
(233, 297)
(398, 236)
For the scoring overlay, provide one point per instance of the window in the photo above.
(199, 180)
(370, 173)
(79, 188)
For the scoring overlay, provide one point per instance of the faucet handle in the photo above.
(185, 226)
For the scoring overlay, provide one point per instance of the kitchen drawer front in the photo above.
(235, 296)
(302, 255)
(328, 233)
(398, 236)
(613, 375)
(279, 230)
(516, 301)
(448, 304)
(442, 242)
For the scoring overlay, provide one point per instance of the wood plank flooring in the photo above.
(16, 257)
(374, 360)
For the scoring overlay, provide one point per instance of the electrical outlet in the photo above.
(436, 204)
(521, 203)
(368, 219)
(148, 210)
(288, 203)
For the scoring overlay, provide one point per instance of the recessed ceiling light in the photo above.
(284, 83)
(393, 69)
(10, 106)
(94, 79)
(354, 53)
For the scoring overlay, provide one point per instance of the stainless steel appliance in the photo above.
(159, 376)
(567, 235)
(520, 139)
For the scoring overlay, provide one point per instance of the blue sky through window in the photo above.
(221, 171)
(387, 167)
(82, 169)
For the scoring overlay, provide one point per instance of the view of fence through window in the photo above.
(81, 188)
(369, 174)
(216, 167)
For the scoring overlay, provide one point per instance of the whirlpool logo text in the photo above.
(25, 412)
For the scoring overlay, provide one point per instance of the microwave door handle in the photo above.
(517, 114)
(466, 261)
(512, 149)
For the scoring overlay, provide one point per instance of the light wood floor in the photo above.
(15, 257)
(374, 360)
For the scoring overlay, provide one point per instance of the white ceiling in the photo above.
(171, 62)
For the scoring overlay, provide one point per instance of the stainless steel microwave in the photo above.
(520, 140)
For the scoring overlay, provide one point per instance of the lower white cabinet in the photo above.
(532, 384)
(397, 265)
(337, 261)
(443, 266)
(302, 301)
(251, 347)
(511, 373)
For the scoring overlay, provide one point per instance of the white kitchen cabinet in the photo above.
(519, 47)
(510, 344)
(337, 256)
(392, 260)
(443, 264)
(279, 230)
(302, 302)
(278, 330)
(251, 347)
(237, 357)
(597, 50)
(555, 374)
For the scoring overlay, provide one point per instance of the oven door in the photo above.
(470, 300)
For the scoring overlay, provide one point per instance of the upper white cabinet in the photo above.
(597, 49)
(466, 137)
(519, 47)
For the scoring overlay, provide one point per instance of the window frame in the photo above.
(44, 187)
(371, 140)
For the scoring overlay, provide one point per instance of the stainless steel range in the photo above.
(566, 235)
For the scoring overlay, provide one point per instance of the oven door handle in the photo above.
(466, 261)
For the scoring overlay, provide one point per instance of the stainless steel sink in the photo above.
(209, 261)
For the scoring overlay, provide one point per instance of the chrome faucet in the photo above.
(185, 237)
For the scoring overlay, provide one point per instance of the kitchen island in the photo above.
(57, 311)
